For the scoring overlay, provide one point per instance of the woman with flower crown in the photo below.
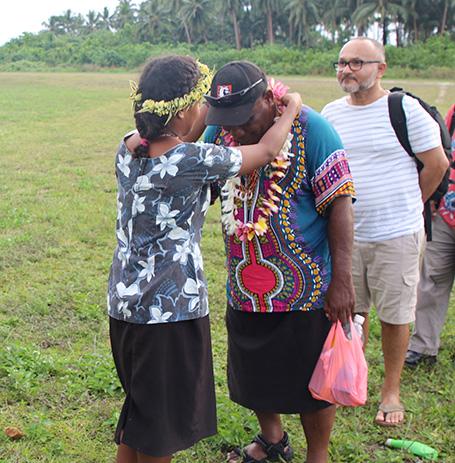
(157, 295)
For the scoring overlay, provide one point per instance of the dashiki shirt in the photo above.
(157, 270)
(447, 206)
(289, 267)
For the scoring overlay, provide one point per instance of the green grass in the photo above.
(59, 133)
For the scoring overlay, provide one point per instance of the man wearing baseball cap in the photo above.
(288, 236)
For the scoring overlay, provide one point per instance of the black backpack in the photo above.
(398, 121)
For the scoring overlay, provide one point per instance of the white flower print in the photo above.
(158, 316)
(209, 158)
(197, 257)
(178, 233)
(168, 165)
(142, 183)
(119, 208)
(181, 252)
(236, 159)
(206, 204)
(165, 217)
(191, 291)
(124, 291)
(148, 268)
(123, 164)
(124, 251)
(138, 206)
(122, 308)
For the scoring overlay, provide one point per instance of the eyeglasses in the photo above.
(354, 64)
(230, 98)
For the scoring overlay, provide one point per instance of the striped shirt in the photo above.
(389, 203)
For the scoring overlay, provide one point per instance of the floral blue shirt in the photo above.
(157, 270)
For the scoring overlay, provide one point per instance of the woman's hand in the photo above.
(293, 101)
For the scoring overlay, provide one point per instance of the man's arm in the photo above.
(340, 297)
(435, 164)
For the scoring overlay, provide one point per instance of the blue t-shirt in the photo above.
(157, 270)
(288, 267)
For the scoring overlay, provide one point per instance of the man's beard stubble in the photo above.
(355, 86)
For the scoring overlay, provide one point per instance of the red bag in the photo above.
(341, 373)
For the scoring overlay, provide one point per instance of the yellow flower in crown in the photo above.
(172, 107)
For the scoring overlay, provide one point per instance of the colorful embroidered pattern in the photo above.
(288, 268)
(333, 177)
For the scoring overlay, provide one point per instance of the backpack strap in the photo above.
(398, 120)
(452, 124)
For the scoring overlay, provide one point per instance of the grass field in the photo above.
(58, 135)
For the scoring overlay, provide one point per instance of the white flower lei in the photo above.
(231, 190)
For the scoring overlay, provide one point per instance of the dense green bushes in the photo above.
(108, 50)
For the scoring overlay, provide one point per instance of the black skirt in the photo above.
(271, 357)
(166, 371)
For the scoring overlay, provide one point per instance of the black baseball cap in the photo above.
(234, 91)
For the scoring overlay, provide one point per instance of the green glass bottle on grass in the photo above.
(414, 447)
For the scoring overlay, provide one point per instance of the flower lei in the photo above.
(172, 107)
(233, 189)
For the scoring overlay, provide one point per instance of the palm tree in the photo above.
(448, 5)
(151, 19)
(173, 10)
(302, 15)
(92, 21)
(384, 8)
(125, 13)
(196, 16)
(105, 19)
(55, 25)
(233, 8)
(270, 8)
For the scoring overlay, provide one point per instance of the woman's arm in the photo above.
(268, 147)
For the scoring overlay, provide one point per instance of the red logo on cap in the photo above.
(223, 90)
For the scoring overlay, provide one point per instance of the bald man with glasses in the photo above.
(388, 221)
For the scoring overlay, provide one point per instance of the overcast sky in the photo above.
(17, 16)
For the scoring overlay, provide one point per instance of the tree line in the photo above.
(248, 23)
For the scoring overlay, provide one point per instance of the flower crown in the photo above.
(172, 107)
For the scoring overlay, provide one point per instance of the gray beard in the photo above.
(356, 87)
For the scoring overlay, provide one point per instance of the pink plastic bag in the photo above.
(341, 373)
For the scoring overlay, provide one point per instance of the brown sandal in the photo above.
(386, 409)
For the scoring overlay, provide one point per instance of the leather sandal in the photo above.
(274, 452)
